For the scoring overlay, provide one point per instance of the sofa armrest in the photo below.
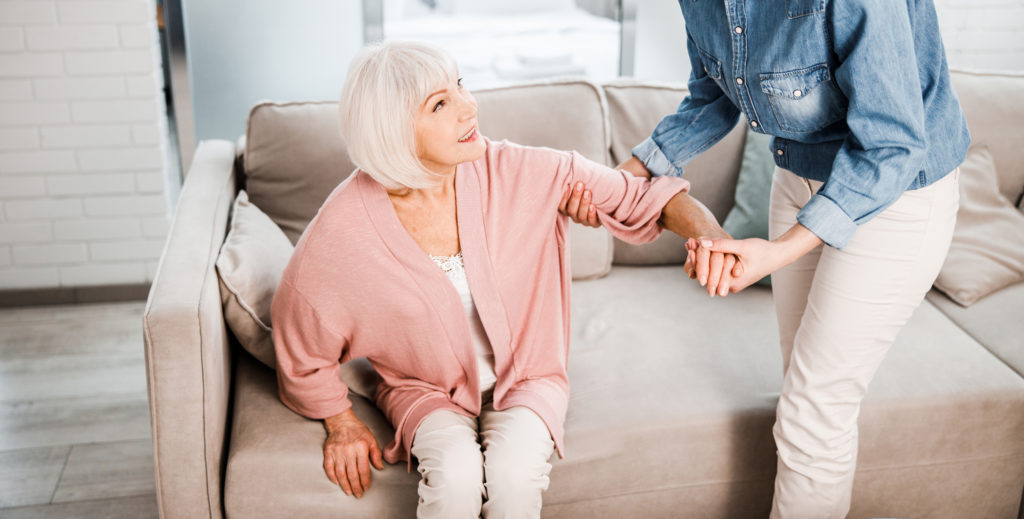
(188, 361)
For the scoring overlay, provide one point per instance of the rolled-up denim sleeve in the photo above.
(885, 149)
(702, 119)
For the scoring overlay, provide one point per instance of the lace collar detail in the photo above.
(449, 263)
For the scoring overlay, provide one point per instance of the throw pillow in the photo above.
(748, 217)
(249, 267)
(988, 243)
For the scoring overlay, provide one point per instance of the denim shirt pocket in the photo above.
(804, 100)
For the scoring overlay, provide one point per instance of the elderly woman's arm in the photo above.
(628, 195)
(308, 353)
(683, 215)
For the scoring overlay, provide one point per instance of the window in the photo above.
(498, 42)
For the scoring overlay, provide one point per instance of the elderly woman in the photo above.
(442, 260)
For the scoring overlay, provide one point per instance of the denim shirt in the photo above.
(856, 94)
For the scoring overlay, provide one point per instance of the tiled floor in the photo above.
(74, 424)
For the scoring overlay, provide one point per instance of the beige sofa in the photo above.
(673, 393)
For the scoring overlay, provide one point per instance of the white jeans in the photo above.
(839, 311)
(508, 466)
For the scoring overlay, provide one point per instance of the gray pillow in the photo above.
(987, 253)
(748, 217)
(249, 267)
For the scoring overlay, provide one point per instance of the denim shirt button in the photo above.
(739, 30)
(779, 152)
(754, 124)
(798, 93)
(739, 81)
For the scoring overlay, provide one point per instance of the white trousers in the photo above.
(839, 311)
(508, 467)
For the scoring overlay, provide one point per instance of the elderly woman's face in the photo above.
(446, 129)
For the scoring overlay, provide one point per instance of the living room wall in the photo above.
(82, 144)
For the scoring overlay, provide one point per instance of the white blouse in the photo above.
(456, 271)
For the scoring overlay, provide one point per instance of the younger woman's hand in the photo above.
(714, 270)
(756, 258)
(576, 205)
(348, 452)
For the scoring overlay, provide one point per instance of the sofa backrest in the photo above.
(634, 109)
(294, 157)
(994, 106)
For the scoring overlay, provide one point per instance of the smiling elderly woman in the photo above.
(442, 261)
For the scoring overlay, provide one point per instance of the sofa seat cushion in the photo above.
(673, 400)
(275, 463)
(994, 321)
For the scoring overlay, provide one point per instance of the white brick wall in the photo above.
(82, 158)
(983, 34)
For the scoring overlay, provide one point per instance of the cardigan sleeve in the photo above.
(628, 206)
(308, 356)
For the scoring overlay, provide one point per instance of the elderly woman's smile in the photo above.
(470, 136)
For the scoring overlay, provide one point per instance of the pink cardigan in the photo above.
(359, 286)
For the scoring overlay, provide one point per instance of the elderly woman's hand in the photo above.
(348, 452)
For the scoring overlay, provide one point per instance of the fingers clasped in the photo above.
(712, 267)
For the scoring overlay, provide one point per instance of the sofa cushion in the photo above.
(634, 109)
(673, 400)
(994, 321)
(275, 468)
(249, 268)
(295, 156)
(987, 252)
(991, 102)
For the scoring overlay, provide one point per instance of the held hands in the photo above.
(715, 269)
(755, 258)
(348, 452)
(748, 267)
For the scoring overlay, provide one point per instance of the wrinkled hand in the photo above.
(715, 270)
(348, 452)
(576, 205)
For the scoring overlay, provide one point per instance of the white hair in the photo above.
(385, 86)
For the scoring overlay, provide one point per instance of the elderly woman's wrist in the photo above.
(332, 423)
